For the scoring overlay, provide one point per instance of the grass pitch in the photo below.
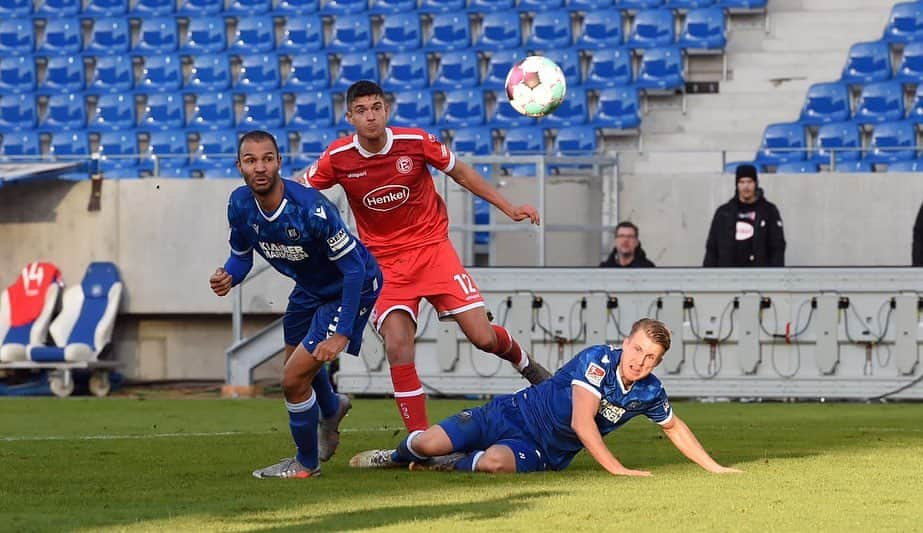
(184, 465)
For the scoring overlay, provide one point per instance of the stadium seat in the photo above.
(26, 307)
(112, 74)
(523, 141)
(905, 24)
(867, 63)
(442, 5)
(313, 142)
(312, 110)
(83, 328)
(57, 8)
(892, 141)
(413, 109)
(569, 61)
(262, 110)
(354, 67)
(652, 28)
(406, 70)
(634, 5)
(826, 102)
(301, 34)
(213, 110)
(457, 70)
(462, 107)
(916, 108)
(63, 73)
(296, 7)
(602, 29)
(118, 151)
(17, 112)
(171, 150)
(19, 144)
(64, 111)
(477, 140)
(215, 149)
(153, 8)
(161, 72)
(16, 37)
(399, 31)
(253, 34)
(782, 143)
(343, 7)
(609, 67)
(487, 6)
(571, 112)
(195, 8)
(115, 111)
(539, 6)
(589, 5)
(110, 35)
(798, 167)
(205, 35)
(210, 73)
(307, 72)
(379, 7)
(350, 33)
(575, 141)
(62, 37)
(661, 69)
(68, 145)
(164, 111)
(13, 9)
(247, 8)
(449, 31)
(906, 166)
(105, 8)
(880, 102)
(500, 31)
(258, 72)
(17, 74)
(157, 35)
(499, 63)
(618, 108)
(910, 70)
(704, 29)
(550, 29)
(743, 6)
(841, 141)
(504, 116)
(861, 166)
(688, 4)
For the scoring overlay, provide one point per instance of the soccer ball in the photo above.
(535, 86)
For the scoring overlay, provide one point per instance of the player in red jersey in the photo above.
(403, 221)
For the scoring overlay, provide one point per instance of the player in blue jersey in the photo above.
(300, 234)
(544, 426)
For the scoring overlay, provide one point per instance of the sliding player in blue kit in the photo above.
(300, 234)
(544, 426)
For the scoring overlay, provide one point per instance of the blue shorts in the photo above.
(498, 423)
(309, 321)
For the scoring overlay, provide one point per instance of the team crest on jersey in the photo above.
(595, 374)
(633, 405)
(404, 164)
(292, 233)
(611, 412)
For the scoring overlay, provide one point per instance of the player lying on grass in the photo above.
(544, 426)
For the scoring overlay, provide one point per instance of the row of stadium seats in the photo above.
(703, 28)
(872, 62)
(51, 8)
(878, 102)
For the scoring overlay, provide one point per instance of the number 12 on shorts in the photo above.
(467, 286)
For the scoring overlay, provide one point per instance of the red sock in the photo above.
(507, 347)
(410, 398)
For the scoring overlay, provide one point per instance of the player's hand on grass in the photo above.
(329, 349)
(522, 212)
(221, 282)
(727, 470)
(630, 472)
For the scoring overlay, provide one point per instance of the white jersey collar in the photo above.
(385, 149)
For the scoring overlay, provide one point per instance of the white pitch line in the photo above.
(24, 438)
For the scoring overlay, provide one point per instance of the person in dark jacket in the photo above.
(627, 251)
(918, 239)
(747, 230)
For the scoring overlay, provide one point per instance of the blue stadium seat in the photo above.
(910, 70)
(539, 6)
(399, 31)
(17, 74)
(688, 4)
(17, 112)
(62, 37)
(499, 63)
(635, 5)
(609, 67)
(841, 141)
(31, 299)
(880, 102)
(500, 31)
(476, 140)
(350, 33)
(17, 37)
(57, 8)
(63, 73)
(153, 8)
(487, 6)
(205, 35)
(12, 9)
(216, 149)
(826, 102)
(164, 111)
(161, 72)
(743, 6)
(442, 5)
(576, 141)
(449, 31)
(504, 116)
(704, 29)
(798, 167)
(550, 29)
(296, 7)
(105, 8)
(210, 73)
(618, 108)
(65, 111)
(110, 35)
(118, 150)
(253, 34)
(172, 151)
(391, 6)
(20, 144)
(462, 107)
(307, 72)
(262, 110)
(906, 166)
(861, 166)
(867, 63)
(68, 144)
(258, 72)
(247, 8)
(782, 143)
(457, 70)
(892, 141)
(112, 74)
(213, 110)
(523, 141)
(313, 142)
(413, 109)
(195, 8)
(571, 112)
(343, 7)
(356, 66)
(569, 61)
(905, 24)
(662, 69)
(406, 70)
(589, 5)
(312, 110)
(652, 28)
(300, 34)
(157, 35)
(602, 28)
(916, 108)
(114, 111)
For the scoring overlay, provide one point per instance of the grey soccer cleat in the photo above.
(286, 468)
(328, 430)
(535, 373)
(441, 463)
(374, 459)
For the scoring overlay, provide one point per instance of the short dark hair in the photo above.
(363, 88)
(626, 224)
(256, 135)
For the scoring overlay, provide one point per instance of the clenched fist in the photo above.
(221, 282)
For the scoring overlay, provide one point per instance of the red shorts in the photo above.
(433, 272)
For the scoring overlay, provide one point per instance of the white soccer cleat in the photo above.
(374, 459)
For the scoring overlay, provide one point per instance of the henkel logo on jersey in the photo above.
(387, 197)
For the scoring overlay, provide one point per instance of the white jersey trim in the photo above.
(587, 386)
(408, 394)
(667, 420)
(275, 214)
(451, 166)
(618, 377)
(238, 252)
(348, 249)
(387, 312)
(384, 150)
(345, 147)
(458, 310)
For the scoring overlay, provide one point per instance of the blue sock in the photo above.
(467, 463)
(302, 420)
(403, 453)
(323, 389)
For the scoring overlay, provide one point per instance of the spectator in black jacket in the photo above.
(918, 239)
(747, 230)
(627, 251)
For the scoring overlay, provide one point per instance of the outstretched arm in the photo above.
(684, 440)
(586, 404)
(470, 179)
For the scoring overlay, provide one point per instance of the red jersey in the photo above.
(391, 192)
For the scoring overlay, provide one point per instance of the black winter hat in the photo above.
(746, 171)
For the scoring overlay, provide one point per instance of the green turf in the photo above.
(809, 467)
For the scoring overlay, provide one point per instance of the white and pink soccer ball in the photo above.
(535, 86)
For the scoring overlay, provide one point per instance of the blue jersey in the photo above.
(547, 407)
(305, 239)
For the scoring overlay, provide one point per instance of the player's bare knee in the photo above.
(484, 340)
(294, 384)
(493, 464)
(399, 350)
